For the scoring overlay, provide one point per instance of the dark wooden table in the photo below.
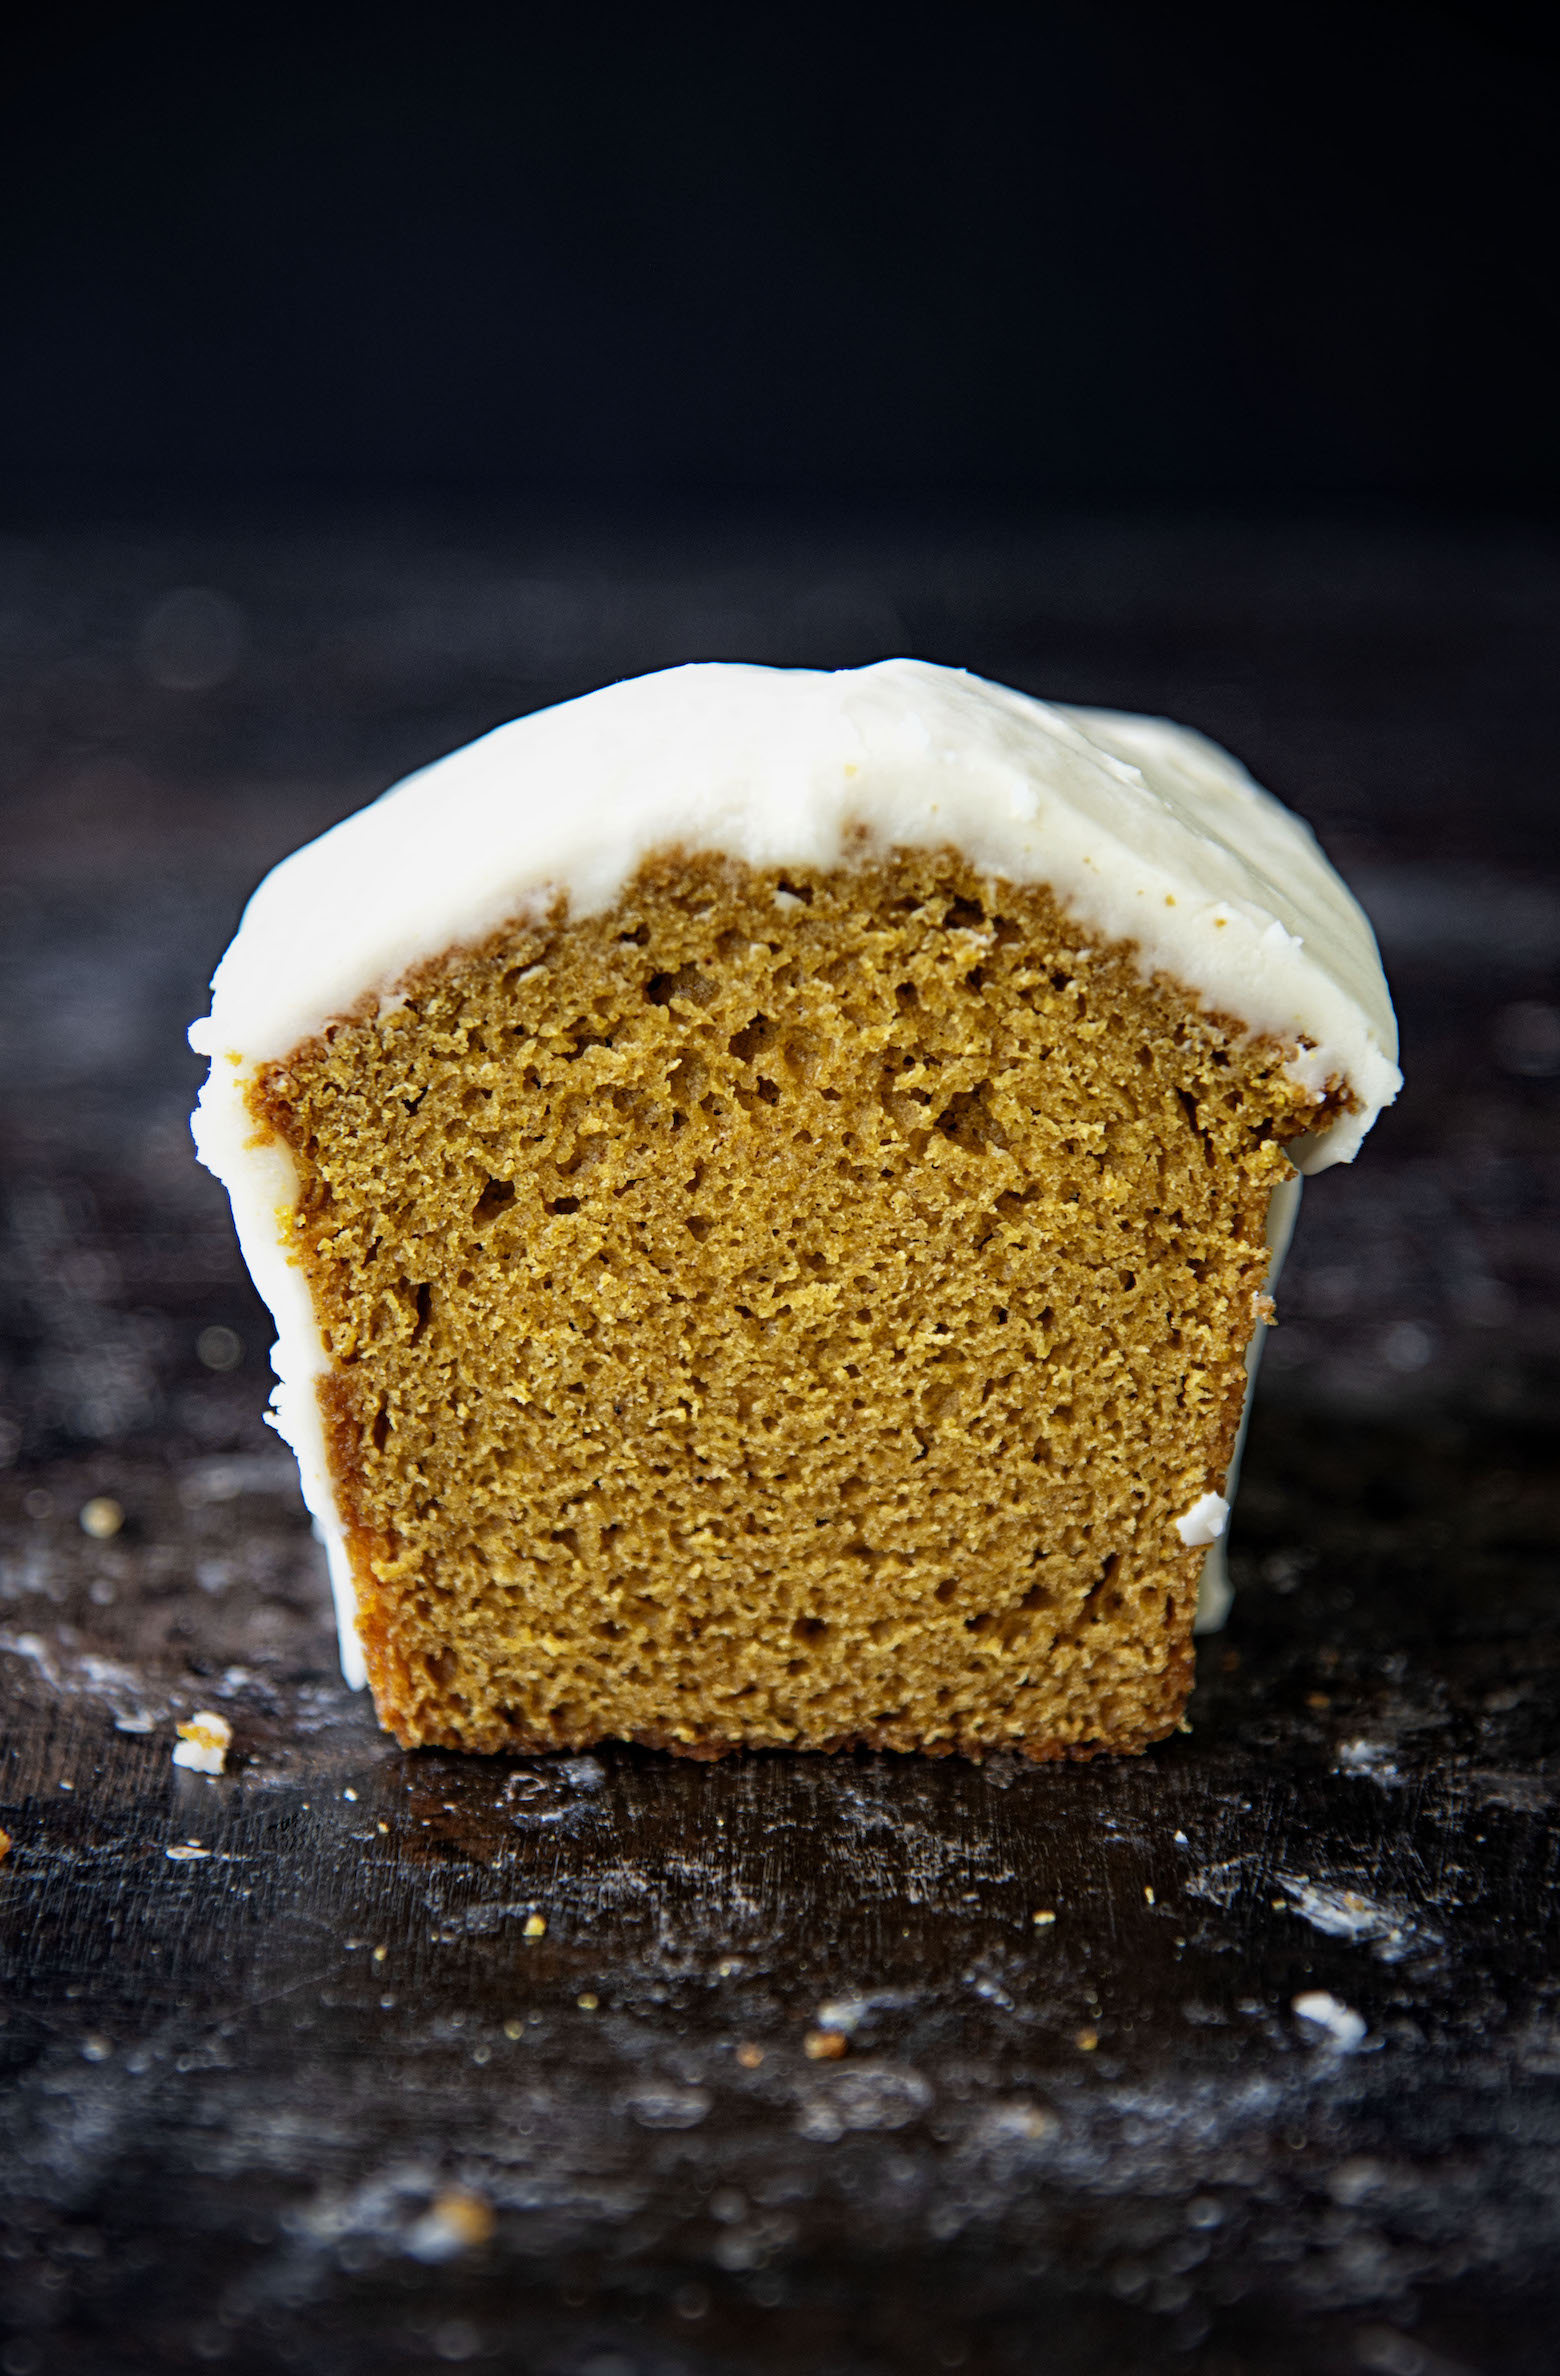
(310, 2095)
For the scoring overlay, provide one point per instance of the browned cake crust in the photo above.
(785, 1310)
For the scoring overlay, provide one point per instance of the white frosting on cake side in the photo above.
(1144, 831)
(1215, 1592)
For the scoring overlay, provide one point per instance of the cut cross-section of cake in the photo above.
(766, 1185)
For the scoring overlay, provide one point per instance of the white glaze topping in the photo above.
(1143, 830)
(1204, 1522)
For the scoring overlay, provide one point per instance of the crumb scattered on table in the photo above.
(455, 2222)
(1344, 2028)
(204, 1743)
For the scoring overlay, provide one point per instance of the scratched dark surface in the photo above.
(242, 2086)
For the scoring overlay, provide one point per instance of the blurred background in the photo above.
(1079, 254)
(372, 375)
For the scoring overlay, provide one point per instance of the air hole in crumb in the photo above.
(965, 1120)
(687, 982)
(1189, 1108)
(809, 1629)
(746, 1043)
(946, 1589)
(1101, 1596)
(495, 1196)
(562, 1204)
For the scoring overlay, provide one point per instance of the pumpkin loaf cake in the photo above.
(767, 1183)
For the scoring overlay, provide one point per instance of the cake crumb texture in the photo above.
(790, 1308)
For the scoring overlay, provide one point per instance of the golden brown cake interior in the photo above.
(785, 1309)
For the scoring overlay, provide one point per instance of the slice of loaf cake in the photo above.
(764, 1182)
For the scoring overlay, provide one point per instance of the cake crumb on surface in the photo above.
(5, 1845)
(823, 2045)
(456, 2221)
(1340, 2023)
(203, 1743)
(535, 1926)
(101, 1518)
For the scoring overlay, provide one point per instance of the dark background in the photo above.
(370, 379)
(1091, 253)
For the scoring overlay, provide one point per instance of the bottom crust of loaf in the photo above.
(709, 1748)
